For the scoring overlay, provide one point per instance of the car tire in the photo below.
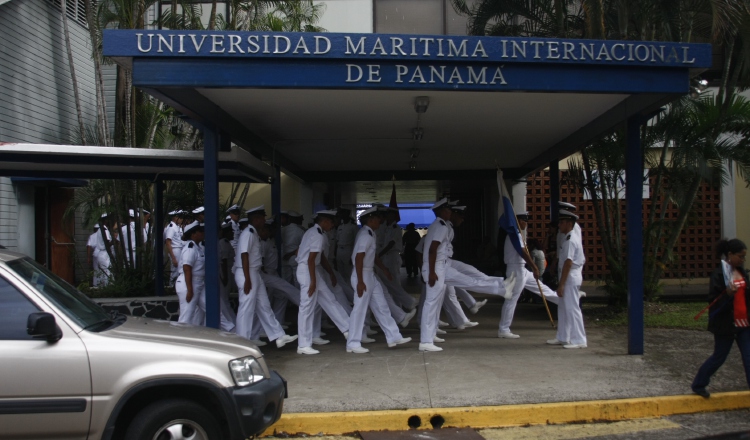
(172, 419)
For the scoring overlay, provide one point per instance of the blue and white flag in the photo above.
(507, 219)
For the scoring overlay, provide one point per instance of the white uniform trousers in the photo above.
(344, 261)
(569, 316)
(175, 270)
(193, 312)
(396, 312)
(374, 299)
(255, 305)
(456, 315)
(289, 273)
(344, 283)
(95, 266)
(393, 262)
(432, 303)
(307, 306)
(282, 292)
(522, 279)
(466, 297)
(103, 268)
(422, 297)
(338, 292)
(489, 285)
(227, 318)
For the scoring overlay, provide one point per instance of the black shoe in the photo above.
(702, 392)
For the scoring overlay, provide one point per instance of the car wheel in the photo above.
(173, 419)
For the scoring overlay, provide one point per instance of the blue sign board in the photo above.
(380, 61)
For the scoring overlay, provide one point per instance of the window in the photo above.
(76, 9)
(14, 312)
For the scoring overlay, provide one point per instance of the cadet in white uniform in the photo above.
(226, 260)
(191, 281)
(280, 290)
(253, 297)
(92, 252)
(199, 214)
(522, 278)
(291, 237)
(313, 289)
(146, 216)
(390, 254)
(103, 242)
(234, 212)
(173, 243)
(368, 290)
(570, 331)
(129, 237)
(345, 234)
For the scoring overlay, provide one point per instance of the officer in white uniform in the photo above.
(313, 289)
(191, 281)
(522, 277)
(368, 290)
(291, 237)
(280, 290)
(92, 252)
(173, 242)
(570, 330)
(129, 237)
(253, 297)
(234, 212)
(146, 218)
(345, 234)
(226, 260)
(103, 242)
(390, 255)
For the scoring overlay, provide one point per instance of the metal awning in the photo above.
(75, 161)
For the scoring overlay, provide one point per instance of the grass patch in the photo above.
(657, 315)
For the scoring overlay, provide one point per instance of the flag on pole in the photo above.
(393, 203)
(507, 219)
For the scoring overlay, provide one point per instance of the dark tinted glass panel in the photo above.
(14, 312)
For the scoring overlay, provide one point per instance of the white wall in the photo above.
(347, 16)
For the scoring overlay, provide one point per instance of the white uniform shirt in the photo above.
(249, 243)
(510, 254)
(441, 232)
(92, 243)
(365, 242)
(194, 256)
(270, 255)
(345, 235)
(125, 236)
(146, 231)
(291, 237)
(395, 234)
(174, 233)
(226, 251)
(380, 237)
(314, 240)
(100, 245)
(571, 249)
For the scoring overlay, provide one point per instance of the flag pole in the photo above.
(538, 283)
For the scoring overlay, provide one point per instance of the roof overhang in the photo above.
(75, 161)
(340, 107)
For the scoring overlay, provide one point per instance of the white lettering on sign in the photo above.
(432, 74)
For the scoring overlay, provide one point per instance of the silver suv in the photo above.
(69, 370)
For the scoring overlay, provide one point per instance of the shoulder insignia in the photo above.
(370, 232)
(442, 222)
(169, 225)
(252, 231)
(568, 237)
(320, 232)
(190, 245)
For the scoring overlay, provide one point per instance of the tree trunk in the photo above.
(212, 18)
(69, 49)
(101, 103)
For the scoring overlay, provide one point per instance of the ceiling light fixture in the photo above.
(414, 153)
(417, 133)
(421, 103)
(413, 165)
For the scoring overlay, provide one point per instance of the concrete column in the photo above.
(634, 218)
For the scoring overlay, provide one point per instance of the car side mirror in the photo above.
(42, 325)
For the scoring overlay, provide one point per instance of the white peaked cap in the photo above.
(198, 210)
(257, 209)
(293, 213)
(131, 213)
(190, 227)
(234, 207)
(369, 211)
(439, 203)
(566, 205)
(567, 214)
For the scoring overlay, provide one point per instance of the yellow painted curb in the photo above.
(508, 415)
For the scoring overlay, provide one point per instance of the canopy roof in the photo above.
(341, 107)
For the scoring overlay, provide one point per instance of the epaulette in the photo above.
(169, 225)
(190, 246)
(370, 232)
(568, 237)
(442, 222)
(252, 231)
(320, 231)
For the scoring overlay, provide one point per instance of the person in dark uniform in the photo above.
(411, 239)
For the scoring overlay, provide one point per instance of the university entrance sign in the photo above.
(376, 61)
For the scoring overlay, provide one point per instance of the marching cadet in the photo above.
(313, 289)
(103, 249)
(191, 281)
(146, 224)
(390, 255)
(91, 253)
(291, 237)
(254, 302)
(345, 234)
(439, 236)
(279, 289)
(523, 278)
(173, 243)
(570, 330)
(369, 293)
(226, 260)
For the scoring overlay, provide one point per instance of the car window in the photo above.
(14, 312)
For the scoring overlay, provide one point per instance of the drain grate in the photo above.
(431, 434)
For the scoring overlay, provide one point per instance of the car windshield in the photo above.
(67, 298)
